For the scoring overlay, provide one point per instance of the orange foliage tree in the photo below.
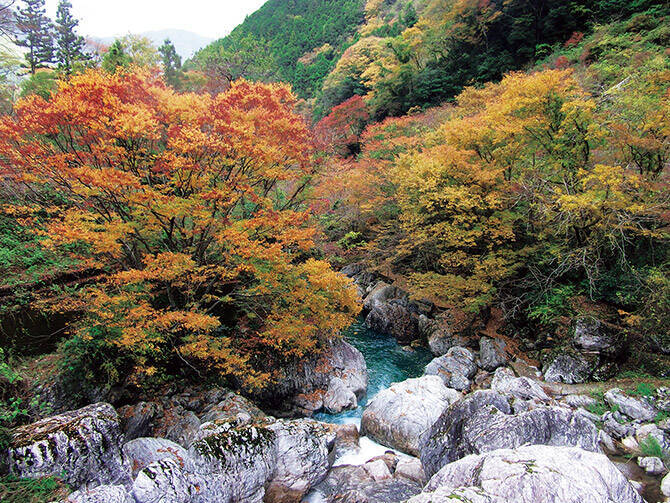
(193, 205)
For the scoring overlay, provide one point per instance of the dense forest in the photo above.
(482, 169)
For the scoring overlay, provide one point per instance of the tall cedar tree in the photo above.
(115, 57)
(171, 64)
(69, 45)
(36, 34)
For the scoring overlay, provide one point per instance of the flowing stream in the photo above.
(387, 363)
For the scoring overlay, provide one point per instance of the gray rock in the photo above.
(400, 415)
(411, 468)
(437, 448)
(302, 458)
(480, 426)
(567, 368)
(492, 353)
(141, 452)
(138, 420)
(592, 334)
(440, 334)
(524, 388)
(651, 465)
(380, 294)
(577, 401)
(101, 494)
(456, 368)
(82, 446)
(354, 484)
(377, 470)
(651, 430)
(615, 428)
(531, 474)
(665, 486)
(167, 481)
(635, 408)
(394, 318)
(178, 425)
(230, 406)
(234, 460)
(295, 392)
(338, 397)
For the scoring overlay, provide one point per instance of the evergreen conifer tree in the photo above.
(171, 64)
(36, 34)
(69, 45)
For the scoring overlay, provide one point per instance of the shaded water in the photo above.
(387, 363)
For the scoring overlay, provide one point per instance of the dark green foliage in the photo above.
(36, 34)
(69, 45)
(15, 490)
(293, 28)
(172, 71)
(115, 57)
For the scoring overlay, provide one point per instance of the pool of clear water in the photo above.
(387, 363)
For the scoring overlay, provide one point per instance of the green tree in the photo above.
(115, 57)
(171, 64)
(409, 16)
(36, 34)
(69, 45)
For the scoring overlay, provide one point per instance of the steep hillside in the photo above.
(288, 31)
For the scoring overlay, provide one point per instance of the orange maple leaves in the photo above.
(195, 205)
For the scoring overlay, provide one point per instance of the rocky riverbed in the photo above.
(473, 424)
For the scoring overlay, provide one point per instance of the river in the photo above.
(387, 363)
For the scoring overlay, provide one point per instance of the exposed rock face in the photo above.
(141, 452)
(394, 318)
(381, 294)
(523, 388)
(482, 422)
(304, 384)
(592, 334)
(531, 474)
(230, 406)
(101, 494)
(456, 368)
(635, 408)
(138, 420)
(338, 397)
(302, 453)
(179, 425)
(440, 334)
(372, 482)
(400, 415)
(166, 480)
(567, 368)
(81, 445)
(492, 353)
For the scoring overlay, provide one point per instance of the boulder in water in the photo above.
(338, 397)
(400, 415)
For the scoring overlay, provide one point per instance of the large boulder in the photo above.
(492, 353)
(396, 319)
(228, 407)
(167, 480)
(591, 334)
(522, 388)
(305, 382)
(482, 423)
(138, 420)
(381, 294)
(141, 452)
(101, 494)
(81, 446)
(400, 415)
(567, 368)
(372, 482)
(531, 474)
(177, 424)
(303, 450)
(338, 397)
(456, 368)
(635, 408)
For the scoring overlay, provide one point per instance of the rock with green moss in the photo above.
(82, 446)
(530, 474)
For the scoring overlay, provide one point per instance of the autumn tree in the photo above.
(36, 34)
(340, 131)
(69, 45)
(194, 205)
